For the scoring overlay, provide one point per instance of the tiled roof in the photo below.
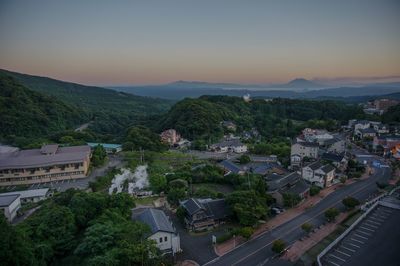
(332, 157)
(327, 168)
(230, 166)
(31, 193)
(6, 200)
(155, 219)
(298, 188)
(192, 206)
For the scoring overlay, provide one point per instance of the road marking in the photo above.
(332, 263)
(357, 241)
(357, 235)
(341, 252)
(377, 218)
(367, 228)
(352, 250)
(372, 225)
(373, 222)
(354, 245)
(336, 257)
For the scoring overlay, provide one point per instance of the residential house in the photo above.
(381, 128)
(161, 229)
(31, 195)
(316, 135)
(299, 150)
(365, 133)
(229, 125)
(318, 174)
(292, 183)
(204, 214)
(230, 145)
(170, 136)
(108, 147)
(50, 163)
(339, 160)
(231, 168)
(335, 145)
(361, 124)
(10, 204)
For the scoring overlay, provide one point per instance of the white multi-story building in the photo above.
(299, 150)
(10, 204)
(318, 174)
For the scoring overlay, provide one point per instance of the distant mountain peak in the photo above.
(302, 83)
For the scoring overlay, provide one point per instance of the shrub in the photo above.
(331, 213)
(307, 227)
(278, 246)
(350, 202)
(314, 190)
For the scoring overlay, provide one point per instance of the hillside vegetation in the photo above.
(111, 112)
(27, 114)
(200, 118)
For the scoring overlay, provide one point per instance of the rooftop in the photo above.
(41, 192)
(105, 145)
(155, 219)
(37, 158)
(7, 200)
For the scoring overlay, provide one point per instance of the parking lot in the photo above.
(374, 241)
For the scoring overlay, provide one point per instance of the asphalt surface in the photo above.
(258, 251)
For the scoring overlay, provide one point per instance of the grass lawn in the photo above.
(223, 188)
(145, 200)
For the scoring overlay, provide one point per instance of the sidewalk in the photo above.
(300, 247)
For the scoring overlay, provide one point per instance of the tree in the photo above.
(307, 227)
(343, 179)
(314, 190)
(244, 159)
(331, 214)
(158, 182)
(291, 200)
(278, 246)
(350, 202)
(175, 195)
(141, 137)
(99, 155)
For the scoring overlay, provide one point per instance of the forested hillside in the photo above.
(111, 112)
(26, 113)
(200, 118)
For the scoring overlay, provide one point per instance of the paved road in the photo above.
(258, 251)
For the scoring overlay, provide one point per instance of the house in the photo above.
(338, 160)
(108, 147)
(318, 174)
(170, 136)
(299, 150)
(335, 145)
(261, 159)
(161, 229)
(316, 135)
(204, 214)
(230, 145)
(381, 129)
(231, 168)
(10, 204)
(50, 163)
(361, 124)
(292, 183)
(365, 132)
(388, 142)
(31, 195)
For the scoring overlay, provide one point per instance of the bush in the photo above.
(244, 159)
(307, 227)
(246, 232)
(224, 237)
(314, 190)
(331, 214)
(350, 202)
(278, 246)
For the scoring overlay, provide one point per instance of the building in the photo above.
(299, 150)
(108, 147)
(359, 124)
(338, 160)
(231, 168)
(318, 174)
(204, 214)
(381, 129)
(229, 125)
(230, 145)
(365, 133)
(10, 204)
(31, 195)
(279, 185)
(50, 163)
(316, 135)
(385, 104)
(161, 229)
(170, 136)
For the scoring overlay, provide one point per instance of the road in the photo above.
(258, 251)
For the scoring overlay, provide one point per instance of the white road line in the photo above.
(352, 250)
(357, 241)
(369, 221)
(336, 257)
(372, 225)
(354, 245)
(367, 228)
(341, 252)
(357, 235)
(332, 263)
(378, 219)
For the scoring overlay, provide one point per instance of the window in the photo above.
(160, 239)
(165, 239)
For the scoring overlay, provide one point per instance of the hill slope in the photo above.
(111, 111)
(26, 113)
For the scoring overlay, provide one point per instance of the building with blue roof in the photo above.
(110, 148)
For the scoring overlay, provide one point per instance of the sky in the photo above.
(153, 42)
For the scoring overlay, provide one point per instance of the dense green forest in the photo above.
(29, 114)
(79, 228)
(111, 112)
(200, 118)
